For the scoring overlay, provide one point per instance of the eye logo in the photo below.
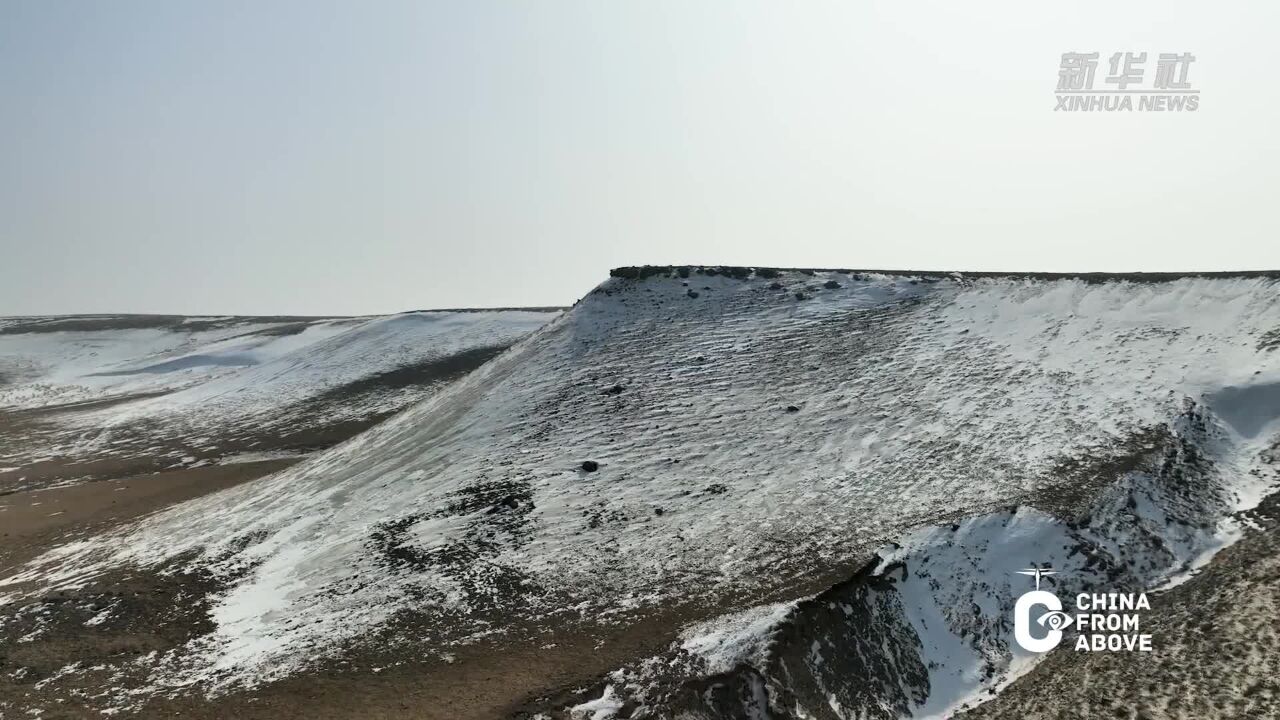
(1055, 620)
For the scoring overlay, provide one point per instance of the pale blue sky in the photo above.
(344, 157)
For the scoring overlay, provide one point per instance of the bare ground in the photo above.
(35, 520)
(514, 675)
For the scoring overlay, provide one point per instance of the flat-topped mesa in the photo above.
(641, 272)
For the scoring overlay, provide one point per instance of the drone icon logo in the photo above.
(1037, 573)
(1053, 619)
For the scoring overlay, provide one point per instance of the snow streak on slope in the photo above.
(750, 435)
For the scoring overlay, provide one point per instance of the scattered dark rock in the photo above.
(693, 293)
(831, 285)
(590, 466)
(615, 390)
(792, 408)
(767, 273)
(658, 511)
(717, 489)
(775, 286)
(510, 502)
(799, 295)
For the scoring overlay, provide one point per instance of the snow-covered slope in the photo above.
(925, 630)
(62, 360)
(196, 389)
(754, 437)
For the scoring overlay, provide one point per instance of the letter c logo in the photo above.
(1022, 621)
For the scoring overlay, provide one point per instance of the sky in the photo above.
(283, 157)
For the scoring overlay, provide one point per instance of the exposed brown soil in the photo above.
(32, 521)
(145, 611)
(401, 675)
(503, 677)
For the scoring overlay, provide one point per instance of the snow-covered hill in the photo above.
(771, 448)
(64, 360)
(175, 389)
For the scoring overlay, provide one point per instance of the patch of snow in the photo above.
(252, 457)
(724, 642)
(602, 708)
